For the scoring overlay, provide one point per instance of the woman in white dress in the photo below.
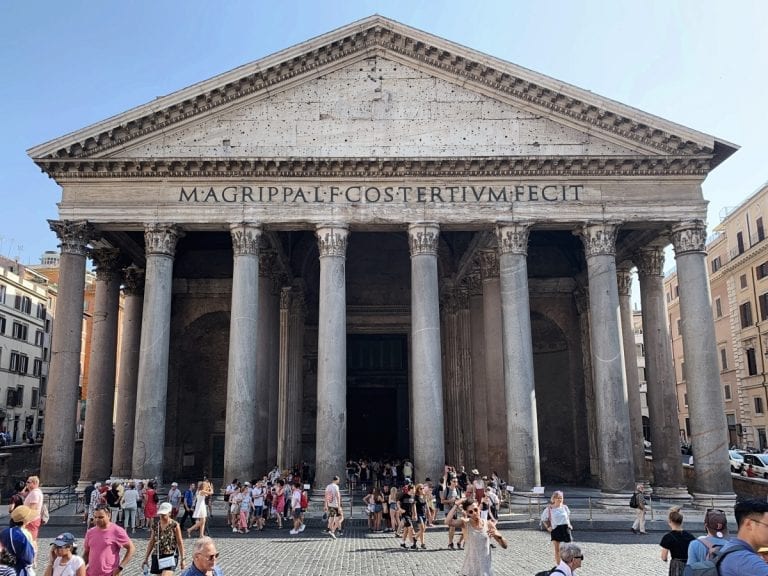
(479, 533)
(201, 510)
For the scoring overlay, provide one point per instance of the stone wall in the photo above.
(18, 462)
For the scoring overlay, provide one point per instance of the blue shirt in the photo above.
(193, 571)
(189, 498)
(697, 550)
(742, 562)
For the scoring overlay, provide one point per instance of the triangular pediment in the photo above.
(379, 89)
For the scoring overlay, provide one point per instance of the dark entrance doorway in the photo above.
(377, 396)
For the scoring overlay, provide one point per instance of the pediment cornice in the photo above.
(509, 166)
(380, 36)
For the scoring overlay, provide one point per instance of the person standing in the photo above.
(61, 560)
(557, 518)
(638, 526)
(17, 499)
(17, 540)
(165, 542)
(675, 543)
(716, 525)
(201, 509)
(189, 505)
(477, 558)
(130, 504)
(298, 525)
(102, 545)
(174, 497)
(204, 559)
(150, 501)
(34, 501)
(739, 555)
(449, 497)
(332, 506)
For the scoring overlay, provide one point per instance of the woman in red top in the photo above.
(150, 501)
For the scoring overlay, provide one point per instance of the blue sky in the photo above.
(66, 65)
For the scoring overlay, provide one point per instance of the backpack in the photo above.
(711, 566)
(633, 501)
(548, 572)
(45, 515)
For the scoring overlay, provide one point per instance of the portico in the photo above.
(400, 219)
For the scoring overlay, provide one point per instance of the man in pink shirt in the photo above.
(103, 543)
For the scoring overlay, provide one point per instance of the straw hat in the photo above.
(22, 515)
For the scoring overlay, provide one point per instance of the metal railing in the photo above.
(60, 498)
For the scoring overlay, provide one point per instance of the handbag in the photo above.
(160, 563)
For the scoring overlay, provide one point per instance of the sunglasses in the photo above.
(211, 557)
(578, 557)
(472, 510)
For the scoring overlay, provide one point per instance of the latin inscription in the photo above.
(362, 194)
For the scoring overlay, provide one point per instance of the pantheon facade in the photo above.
(381, 243)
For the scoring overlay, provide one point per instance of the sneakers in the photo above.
(332, 535)
(234, 529)
(293, 532)
(301, 528)
(450, 546)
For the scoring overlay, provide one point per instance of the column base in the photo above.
(613, 500)
(677, 493)
(82, 485)
(703, 500)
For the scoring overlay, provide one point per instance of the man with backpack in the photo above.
(739, 557)
(705, 547)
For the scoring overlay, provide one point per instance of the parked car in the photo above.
(759, 464)
(737, 459)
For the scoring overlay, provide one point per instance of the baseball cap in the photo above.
(65, 539)
(174, 483)
(164, 508)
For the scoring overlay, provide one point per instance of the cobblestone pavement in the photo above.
(313, 553)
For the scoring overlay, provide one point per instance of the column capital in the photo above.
(624, 279)
(245, 238)
(74, 235)
(285, 297)
(161, 239)
(649, 261)
(599, 239)
(106, 260)
(332, 239)
(489, 264)
(689, 237)
(423, 238)
(472, 283)
(513, 237)
(133, 280)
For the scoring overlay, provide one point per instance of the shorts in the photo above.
(561, 533)
(258, 510)
(421, 520)
(333, 512)
(407, 522)
(297, 513)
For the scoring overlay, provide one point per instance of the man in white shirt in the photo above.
(332, 506)
(298, 525)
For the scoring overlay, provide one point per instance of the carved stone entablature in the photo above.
(599, 239)
(161, 239)
(489, 264)
(342, 167)
(689, 237)
(133, 280)
(380, 36)
(423, 238)
(513, 237)
(245, 239)
(74, 235)
(650, 262)
(106, 260)
(332, 239)
(624, 279)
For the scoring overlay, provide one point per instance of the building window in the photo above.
(727, 389)
(758, 405)
(682, 376)
(763, 300)
(10, 398)
(716, 263)
(679, 327)
(743, 281)
(2, 324)
(677, 291)
(39, 336)
(20, 331)
(2, 293)
(685, 398)
(718, 308)
(19, 396)
(760, 229)
(751, 361)
(19, 362)
(23, 303)
(37, 367)
(761, 438)
(640, 350)
(45, 354)
(41, 311)
(761, 271)
(740, 242)
(723, 360)
(745, 312)
(35, 396)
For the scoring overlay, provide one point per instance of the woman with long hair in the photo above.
(477, 558)
(201, 509)
(394, 511)
(557, 518)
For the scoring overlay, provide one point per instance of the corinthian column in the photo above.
(240, 428)
(58, 454)
(614, 446)
(427, 390)
(266, 375)
(128, 373)
(662, 395)
(519, 385)
(152, 392)
(624, 281)
(291, 377)
(496, 406)
(97, 437)
(709, 429)
(331, 447)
